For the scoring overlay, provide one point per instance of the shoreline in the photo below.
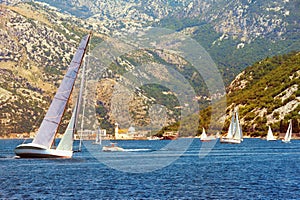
(196, 137)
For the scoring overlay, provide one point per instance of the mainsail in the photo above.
(238, 134)
(231, 127)
(270, 135)
(203, 135)
(288, 134)
(52, 120)
(66, 142)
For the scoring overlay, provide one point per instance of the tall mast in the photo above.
(83, 86)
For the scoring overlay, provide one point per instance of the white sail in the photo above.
(235, 133)
(52, 120)
(231, 127)
(203, 135)
(238, 134)
(98, 136)
(288, 134)
(66, 142)
(270, 135)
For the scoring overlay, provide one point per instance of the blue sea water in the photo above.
(255, 169)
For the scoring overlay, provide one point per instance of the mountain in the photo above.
(36, 48)
(236, 33)
(38, 39)
(266, 93)
(38, 44)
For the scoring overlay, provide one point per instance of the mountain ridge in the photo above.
(39, 42)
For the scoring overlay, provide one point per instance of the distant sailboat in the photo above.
(288, 134)
(98, 139)
(234, 134)
(270, 136)
(204, 137)
(41, 146)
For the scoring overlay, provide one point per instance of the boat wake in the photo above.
(137, 150)
(8, 157)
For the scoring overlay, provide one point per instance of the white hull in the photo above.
(230, 141)
(208, 139)
(154, 138)
(32, 150)
(286, 141)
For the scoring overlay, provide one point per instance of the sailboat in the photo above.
(204, 137)
(234, 134)
(42, 144)
(98, 139)
(288, 134)
(270, 136)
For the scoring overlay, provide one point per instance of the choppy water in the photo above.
(255, 169)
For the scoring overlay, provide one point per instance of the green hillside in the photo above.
(272, 90)
(227, 54)
(266, 93)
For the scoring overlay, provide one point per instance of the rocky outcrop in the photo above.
(245, 20)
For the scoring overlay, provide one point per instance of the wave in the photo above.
(135, 150)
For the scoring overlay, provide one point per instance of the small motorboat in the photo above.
(112, 147)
